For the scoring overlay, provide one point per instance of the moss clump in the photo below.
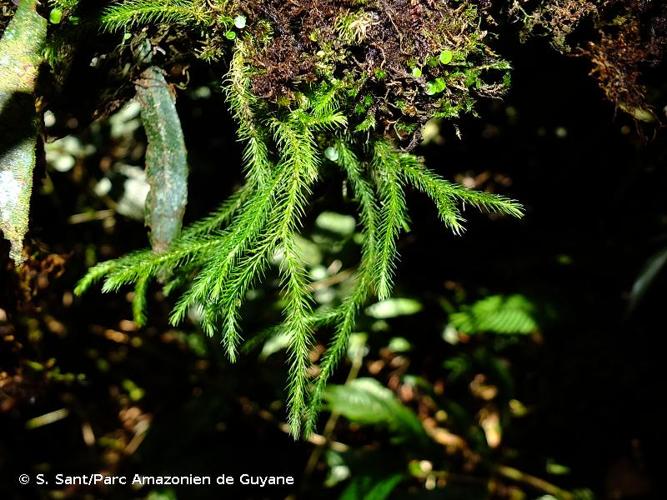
(398, 63)
(393, 64)
(620, 38)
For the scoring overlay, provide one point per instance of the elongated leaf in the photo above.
(20, 49)
(166, 159)
(366, 401)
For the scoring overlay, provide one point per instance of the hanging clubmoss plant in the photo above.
(312, 85)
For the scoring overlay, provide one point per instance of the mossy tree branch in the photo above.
(20, 57)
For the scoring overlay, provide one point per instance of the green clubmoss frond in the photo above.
(132, 13)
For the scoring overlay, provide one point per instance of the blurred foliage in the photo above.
(366, 401)
(497, 314)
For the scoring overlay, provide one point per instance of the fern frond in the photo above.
(497, 314)
(280, 235)
(133, 13)
(131, 269)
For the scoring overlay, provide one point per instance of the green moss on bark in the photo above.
(20, 48)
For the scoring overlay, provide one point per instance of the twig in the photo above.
(536, 482)
(331, 280)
